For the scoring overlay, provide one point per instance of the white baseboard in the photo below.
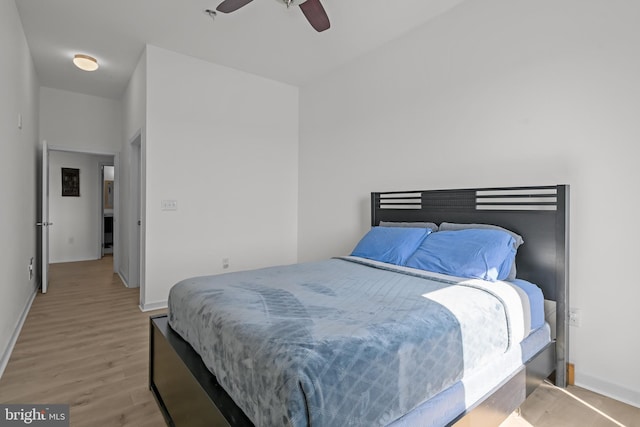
(60, 261)
(16, 333)
(153, 306)
(609, 389)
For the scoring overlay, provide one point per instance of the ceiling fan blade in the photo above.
(228, 6)
(315, 14)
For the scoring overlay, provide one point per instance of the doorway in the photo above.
(76, 218)
(107, 177)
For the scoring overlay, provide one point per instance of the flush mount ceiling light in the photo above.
(85, 62)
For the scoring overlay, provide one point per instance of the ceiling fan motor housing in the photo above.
(289, 3)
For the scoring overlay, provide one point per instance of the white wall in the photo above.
(76, 231)
(497, 93)
(81, 122)
(18, 171)
(109, 173)
(223, 144)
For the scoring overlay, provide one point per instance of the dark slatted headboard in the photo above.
(539, 214)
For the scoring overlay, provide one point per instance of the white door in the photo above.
(136, 236)
(44, 218)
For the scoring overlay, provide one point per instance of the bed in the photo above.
(361, 341)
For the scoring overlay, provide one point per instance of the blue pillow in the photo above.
(393, 245)
(475, 253)
(447, 226)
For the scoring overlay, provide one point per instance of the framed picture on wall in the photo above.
(71, 182)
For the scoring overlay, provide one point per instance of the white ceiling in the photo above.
(263, 38)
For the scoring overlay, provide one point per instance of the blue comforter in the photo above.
(336, 342)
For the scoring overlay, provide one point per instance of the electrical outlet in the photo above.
(225, 262)
(31, 269)
(574, 317)
(169, 205)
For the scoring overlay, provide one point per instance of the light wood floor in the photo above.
(550, 406)
(85, 343)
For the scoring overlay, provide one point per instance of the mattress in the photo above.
(346, 341)
(443, 408)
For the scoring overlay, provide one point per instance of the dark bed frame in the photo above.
(189, 395)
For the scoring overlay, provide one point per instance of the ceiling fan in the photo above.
(312, 10)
